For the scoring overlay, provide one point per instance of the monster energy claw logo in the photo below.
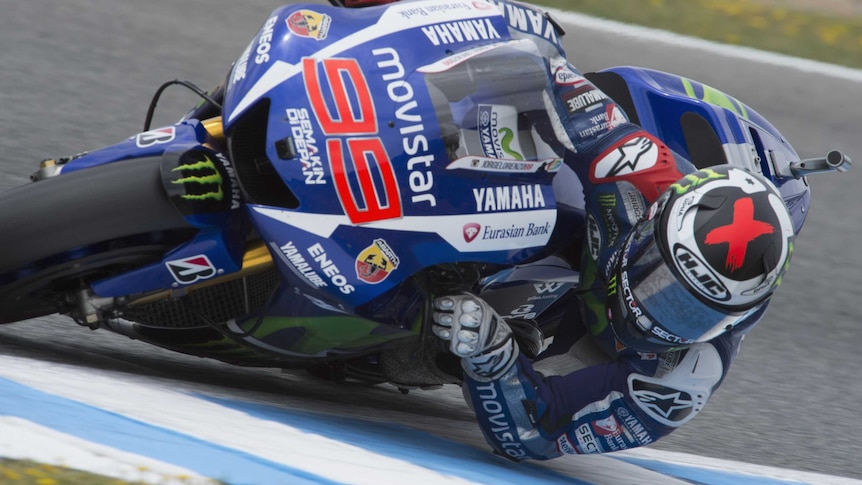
(695, 180)
(209, 180)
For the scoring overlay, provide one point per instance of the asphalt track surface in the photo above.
(78, 74)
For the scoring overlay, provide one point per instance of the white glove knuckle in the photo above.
(470, 305)
(468, 336)
(444, 303)
(445, 319)
(469, 320)
(464, 349)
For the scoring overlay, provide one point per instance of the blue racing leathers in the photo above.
(587, 393)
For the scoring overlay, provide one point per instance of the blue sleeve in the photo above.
(601, 408)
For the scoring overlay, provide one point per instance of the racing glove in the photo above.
(477, 334)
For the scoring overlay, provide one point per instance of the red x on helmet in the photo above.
(707, 254)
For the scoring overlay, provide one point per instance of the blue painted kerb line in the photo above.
(239, 468)
(122, 433)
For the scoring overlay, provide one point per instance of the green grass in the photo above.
(760, 24)
(25, 472)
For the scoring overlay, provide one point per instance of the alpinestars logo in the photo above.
(667, 406)
(632, 155)
(188, 270)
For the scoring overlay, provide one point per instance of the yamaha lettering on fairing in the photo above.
(529, 21)
(461, 31)
(261, 46)
(516, 197)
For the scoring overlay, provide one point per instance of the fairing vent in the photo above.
(207, 306)
(258, 178)
(704, 146)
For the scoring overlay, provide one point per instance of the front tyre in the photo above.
(60, 233)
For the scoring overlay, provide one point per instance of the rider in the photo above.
(677, 266)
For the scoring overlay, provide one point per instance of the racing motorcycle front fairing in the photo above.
(366, 163)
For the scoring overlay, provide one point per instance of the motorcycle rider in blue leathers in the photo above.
(678, 264)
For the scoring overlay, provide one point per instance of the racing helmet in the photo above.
(707, 254)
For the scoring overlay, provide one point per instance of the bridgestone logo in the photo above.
(189, 270)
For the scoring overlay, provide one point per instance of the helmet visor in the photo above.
(660, 305)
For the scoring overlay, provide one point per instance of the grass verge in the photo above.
(26, 472)
(768, 25)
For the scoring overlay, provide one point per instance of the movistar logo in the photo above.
(209, 175)
(694, 180)
(506, 143)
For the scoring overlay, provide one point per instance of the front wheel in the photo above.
(60, 233)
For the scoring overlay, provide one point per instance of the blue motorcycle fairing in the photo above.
(356, 132)
(146, 144)
(201, 184)
(747, 138)
(296, 31)
(401, 132)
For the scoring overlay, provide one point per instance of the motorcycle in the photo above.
(309, 209)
